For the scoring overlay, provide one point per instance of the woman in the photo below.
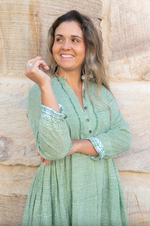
(78, 130)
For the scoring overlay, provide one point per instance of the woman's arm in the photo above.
(48, 121)
(34, 73)
(113, 142)
(84, 146)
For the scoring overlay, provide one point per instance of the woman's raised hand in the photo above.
(33, 71)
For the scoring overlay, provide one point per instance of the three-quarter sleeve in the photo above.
(49, 127)
(117, 139)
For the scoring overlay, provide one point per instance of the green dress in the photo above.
(77, 190)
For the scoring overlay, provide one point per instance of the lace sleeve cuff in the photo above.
(98, 147)
(52, 115)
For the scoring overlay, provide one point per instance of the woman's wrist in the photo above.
(47, 95)
(46, 84)
(76, 144)
(80, 145)
(85, 146)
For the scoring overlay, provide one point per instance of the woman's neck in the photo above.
(73, 78)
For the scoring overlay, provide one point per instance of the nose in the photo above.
(66, 45)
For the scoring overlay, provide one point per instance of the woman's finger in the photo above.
(47, 161)
(37, 63)
(40, 63)
(41, 158)
(32, 60)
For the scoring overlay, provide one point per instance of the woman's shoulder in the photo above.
(105, 94)
(104, 91)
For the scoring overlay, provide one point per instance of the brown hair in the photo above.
(93, 63)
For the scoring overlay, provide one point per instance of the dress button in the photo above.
(87, 120)
(85, 107)
(90, 131)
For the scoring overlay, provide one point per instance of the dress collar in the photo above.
(63, 80)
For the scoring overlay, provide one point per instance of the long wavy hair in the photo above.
(93, 63)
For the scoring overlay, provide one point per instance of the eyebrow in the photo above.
(75, 36)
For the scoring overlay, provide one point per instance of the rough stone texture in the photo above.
(16, 180)
(136, 187)
(16, 138)
(133, 100)
(128, 44)
(11, 210)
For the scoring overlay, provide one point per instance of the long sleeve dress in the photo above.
(77, 190)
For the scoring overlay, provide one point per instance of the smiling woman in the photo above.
(69, 47)
(78, 130)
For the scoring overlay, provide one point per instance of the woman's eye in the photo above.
(75, 40)
(58, 39)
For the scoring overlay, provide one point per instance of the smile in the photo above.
(66, 56)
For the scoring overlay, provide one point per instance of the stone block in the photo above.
(17, 145)
(11, 210)
(136, 188)
(16, 180)
(126, 33)
(133, 100)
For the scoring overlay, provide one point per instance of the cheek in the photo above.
(82, 53)
(83, 49)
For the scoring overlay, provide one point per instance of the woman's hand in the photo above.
(75, 147)
(34, 72)
(46, 161)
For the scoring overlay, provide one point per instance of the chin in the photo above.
(67, 68)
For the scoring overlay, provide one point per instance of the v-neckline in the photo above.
(63, 81)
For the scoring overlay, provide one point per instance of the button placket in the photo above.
(86, 115)
(88, 120)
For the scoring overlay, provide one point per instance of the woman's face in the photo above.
(69, 46)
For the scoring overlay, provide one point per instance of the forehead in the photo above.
(70, 28)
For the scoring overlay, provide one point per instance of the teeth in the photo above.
(66, 56)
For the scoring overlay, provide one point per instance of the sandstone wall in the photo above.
(126, 35)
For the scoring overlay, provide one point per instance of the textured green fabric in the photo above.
(76, 190)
